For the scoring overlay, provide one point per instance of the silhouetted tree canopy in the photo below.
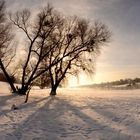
(77, 43)
(55, 46)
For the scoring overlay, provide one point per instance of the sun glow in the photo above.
(83, 79)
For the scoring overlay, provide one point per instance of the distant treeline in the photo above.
(123, 82)
(119, 84)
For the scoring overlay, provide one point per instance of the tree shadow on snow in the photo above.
(58, 119)
(121, 117)
(4, 103)
(35, 126)
(90, 126)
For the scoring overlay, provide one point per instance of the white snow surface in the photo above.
(74, 114)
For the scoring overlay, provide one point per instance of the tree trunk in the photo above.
(27, 96)
(53, 91)
(7, 77)
(23, 90)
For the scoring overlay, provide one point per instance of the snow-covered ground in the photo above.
(75, 114)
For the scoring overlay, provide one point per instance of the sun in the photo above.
(72, 81)
(82, 79)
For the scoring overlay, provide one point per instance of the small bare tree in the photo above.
(7, 52)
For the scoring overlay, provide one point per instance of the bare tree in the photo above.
(39, 44)
(79, 44)
(7, 52)
(58, 45)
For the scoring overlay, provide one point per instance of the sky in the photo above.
(121, 57)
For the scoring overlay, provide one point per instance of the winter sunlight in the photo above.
(69, 70)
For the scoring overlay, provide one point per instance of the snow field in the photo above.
(75, 114)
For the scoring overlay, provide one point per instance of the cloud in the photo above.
(72, 7)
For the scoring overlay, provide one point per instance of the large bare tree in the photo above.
(79, 44)
(38, 44)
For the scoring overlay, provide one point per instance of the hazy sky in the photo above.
(121, 58)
